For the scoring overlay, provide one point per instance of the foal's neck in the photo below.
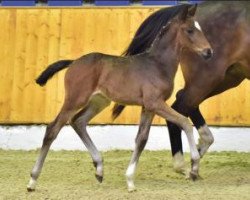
(166, 51)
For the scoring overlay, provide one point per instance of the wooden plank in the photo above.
(51, 101)
(4, 15)
(7, 36)
(43, 38)
(19, 62)
(31, 46)
(66, 38)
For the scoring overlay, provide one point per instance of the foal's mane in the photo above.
(163, 31)
(152, 28)
(146, 35)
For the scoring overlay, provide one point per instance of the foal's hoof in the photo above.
(32, 185)
(193, 176)
(99, 178)
(30, 189)
(131, 189)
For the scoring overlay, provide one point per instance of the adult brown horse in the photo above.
(227, 28)
(95, 79)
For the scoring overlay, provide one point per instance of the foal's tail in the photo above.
(51, 70)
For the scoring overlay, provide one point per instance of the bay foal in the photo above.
(96, 79)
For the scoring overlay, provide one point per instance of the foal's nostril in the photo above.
(207, 53)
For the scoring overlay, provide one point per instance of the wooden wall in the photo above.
(30, 39)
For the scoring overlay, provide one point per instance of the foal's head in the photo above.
(189, 32)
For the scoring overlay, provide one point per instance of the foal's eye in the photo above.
(190, 31)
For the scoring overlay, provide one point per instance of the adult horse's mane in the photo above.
(146, 34)
(149, 29)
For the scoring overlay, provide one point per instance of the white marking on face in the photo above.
(197, 25)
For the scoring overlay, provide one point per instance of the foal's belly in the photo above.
(128, 94)
(135, 92)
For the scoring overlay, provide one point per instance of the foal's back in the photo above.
(122, 79)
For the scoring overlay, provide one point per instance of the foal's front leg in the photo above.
(161, 109)
(206, 137)
(140, 142)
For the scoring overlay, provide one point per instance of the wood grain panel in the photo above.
(32, 38)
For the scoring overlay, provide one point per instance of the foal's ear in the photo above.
(188, 11)
(192, 10)
(183, 14)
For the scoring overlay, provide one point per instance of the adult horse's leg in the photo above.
(233, 77)
(79, 123)
(206, 137)
(175, 137)
(51, 133)
(140, 142)
(185, 106)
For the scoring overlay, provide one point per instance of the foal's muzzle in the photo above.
(207, 53)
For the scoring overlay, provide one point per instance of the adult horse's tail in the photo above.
(117, 110)
(145, 35)
(51, 70)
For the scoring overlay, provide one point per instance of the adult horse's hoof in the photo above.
(179, 164)
(199, 177)
(182, 171)
(99, 178)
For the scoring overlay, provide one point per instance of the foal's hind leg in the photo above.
(161, 109)
(79, 123)
(50, 135)
(140, 142)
